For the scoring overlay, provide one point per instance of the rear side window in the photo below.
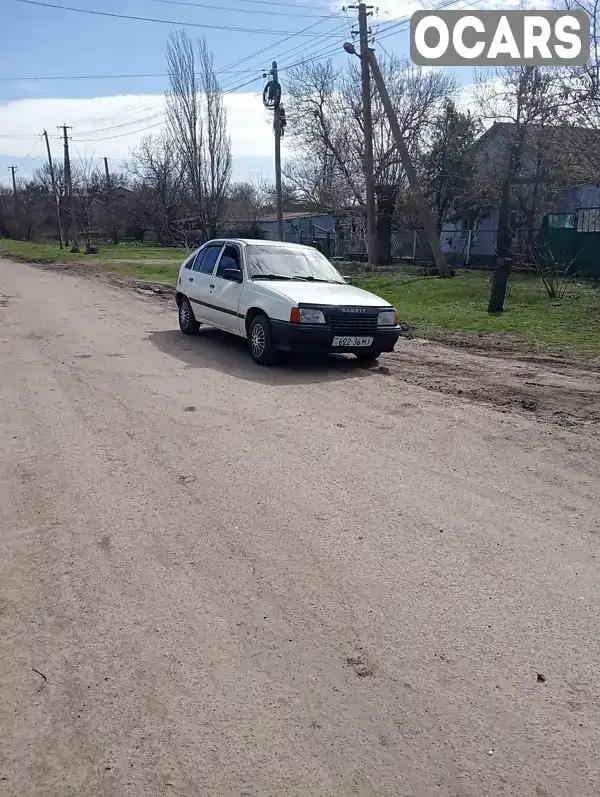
(189, 263)
(206, 260)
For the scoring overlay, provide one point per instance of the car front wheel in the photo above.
(261, 342)
(187, 320)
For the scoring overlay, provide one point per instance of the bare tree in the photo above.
(245, 203)
(197, 119)
(317, 182)
(327, 128)
(157, 178)
(217, 144)
(87, 189)
(184, 116)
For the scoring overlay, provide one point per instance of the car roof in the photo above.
(249, 241)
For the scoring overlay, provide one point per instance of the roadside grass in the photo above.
(153, 272)
(434, 307)
(45, 253)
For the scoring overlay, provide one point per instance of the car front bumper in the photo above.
(318, 338)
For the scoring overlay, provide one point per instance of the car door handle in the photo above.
(211, 286)
(191, 279)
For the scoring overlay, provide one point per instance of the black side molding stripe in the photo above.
(215, 307)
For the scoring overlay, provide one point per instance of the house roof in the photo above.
(293, 215)
(569, 133)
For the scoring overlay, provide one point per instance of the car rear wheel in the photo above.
(260, 341)
(187, 320)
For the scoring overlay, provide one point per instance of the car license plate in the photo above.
(348, 342)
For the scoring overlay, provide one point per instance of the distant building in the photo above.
(299, 226)
(550, 157)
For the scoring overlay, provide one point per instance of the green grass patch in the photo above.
(433, 306)
(147, 271)
(44, 253)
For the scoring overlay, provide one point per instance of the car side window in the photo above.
(229, 259)
(207, 259)
(189, 263)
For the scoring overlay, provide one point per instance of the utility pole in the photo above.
(14, 169)
(276, 97)
(368, 164)
(424, 212)
(110, 205)
(68, 184)
(54, 191)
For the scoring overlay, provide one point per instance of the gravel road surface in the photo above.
(318, 579)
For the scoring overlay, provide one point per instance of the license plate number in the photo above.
(349, 342)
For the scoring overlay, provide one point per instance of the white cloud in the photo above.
(127, 116)
(395, 9)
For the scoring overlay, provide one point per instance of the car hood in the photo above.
(327, 293)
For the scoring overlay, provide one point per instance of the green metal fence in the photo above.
(573, 240)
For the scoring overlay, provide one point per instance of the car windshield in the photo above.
(290, 262)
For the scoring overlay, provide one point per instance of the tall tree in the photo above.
(217, 144)
(529, 99)
(197, 120)
(449, 165)
(184, 116)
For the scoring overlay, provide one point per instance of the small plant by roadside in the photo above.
(556, 275)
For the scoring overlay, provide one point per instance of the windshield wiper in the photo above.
(321, 279)
(277, 277)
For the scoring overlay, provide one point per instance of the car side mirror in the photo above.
(233, 275)
(348, 280)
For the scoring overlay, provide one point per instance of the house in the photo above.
(551, 159)
(300, 226)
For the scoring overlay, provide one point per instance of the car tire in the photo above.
(260, 341)
(187, 320)
(367, 357)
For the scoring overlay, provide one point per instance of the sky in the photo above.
(108, 116)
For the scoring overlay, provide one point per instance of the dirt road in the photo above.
(217, 579)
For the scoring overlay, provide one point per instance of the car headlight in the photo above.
(307, 315)
(387, 319)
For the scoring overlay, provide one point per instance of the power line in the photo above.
(268, 47)
(392, 28)
(241, 10)
(307, 48)
(77, 77)
(265, 31)
(226, 90)
(19, 136)
(299, 6)
(252, 56)
(227, 69)
(109, 77)
(32, 150)
(162, 122)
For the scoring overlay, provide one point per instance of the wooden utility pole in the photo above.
(110, 203)
(68, 184)
(12, 170)
(368, 163)
(54, 191)
(277, 130)
(424, 212)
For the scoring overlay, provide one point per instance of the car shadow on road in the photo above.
(229, 355)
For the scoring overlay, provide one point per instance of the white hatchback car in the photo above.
(281, 297)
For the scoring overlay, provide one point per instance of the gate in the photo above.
(574, 240)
